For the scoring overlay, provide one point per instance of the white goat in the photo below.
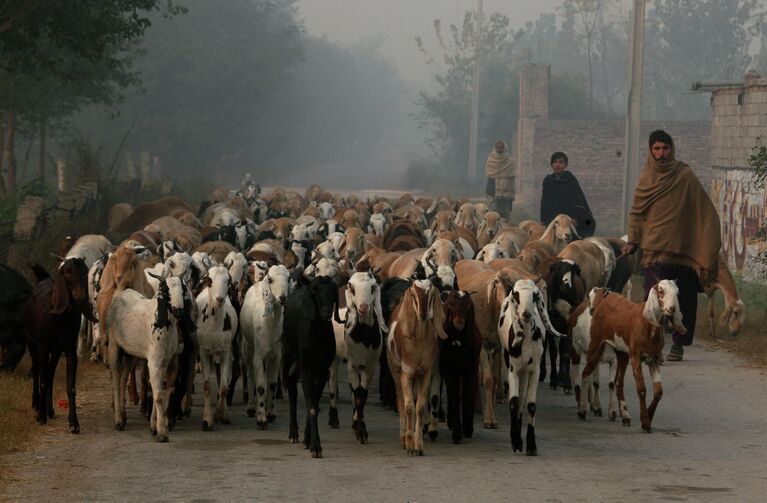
(261, 319)
(521, 327)
(145, 328)
(490, 252)
(587, 390)
(363, 339)
(216, 326)
(378, 224)
(90, 248)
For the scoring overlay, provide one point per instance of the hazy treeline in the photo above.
(211, 86)
(586, 44)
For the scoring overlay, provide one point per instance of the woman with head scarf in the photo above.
(675, 224)
(499, 169)
(563, 194)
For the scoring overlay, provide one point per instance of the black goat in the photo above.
(15, 293)
(52, 323)
(565, 293)
(309, 347)
(459, 362)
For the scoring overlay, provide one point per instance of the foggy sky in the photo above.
(400, 21)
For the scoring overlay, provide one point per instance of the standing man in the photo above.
(563, 194)
(499, 169)
(675, 224)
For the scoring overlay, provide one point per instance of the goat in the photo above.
(51, 321)
(363, 332)
(636, 333)
(490, 252)
(309, 350)
(488, 228)
(587, 390)
(140, 327)
(261, 320)
(734, 309)
(459, 363)
(216, 327)
(521, 328)
(412, 348)
(560, 232)
(90, 248)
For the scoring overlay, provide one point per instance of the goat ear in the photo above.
(60, 294)
(379, 312)
(652, 308)
(574, 232)
(481, 255)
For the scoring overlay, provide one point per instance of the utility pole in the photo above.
(633, 115)
(475, 96)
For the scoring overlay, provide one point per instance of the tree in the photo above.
(694, 40)
(58, 55)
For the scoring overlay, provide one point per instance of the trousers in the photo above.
(689, 286)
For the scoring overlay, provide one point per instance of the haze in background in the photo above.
(398, 22)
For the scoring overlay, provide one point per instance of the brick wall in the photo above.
(739, 118)
(595, 149)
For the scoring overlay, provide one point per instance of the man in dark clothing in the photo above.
(563, 194)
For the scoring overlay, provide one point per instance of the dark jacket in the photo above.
(563, 194)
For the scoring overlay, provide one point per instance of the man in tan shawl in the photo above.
(499, 169)
(675, 224)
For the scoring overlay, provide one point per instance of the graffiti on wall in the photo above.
(743, 213)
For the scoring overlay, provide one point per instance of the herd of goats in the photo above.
(279, 288)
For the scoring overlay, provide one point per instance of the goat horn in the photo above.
(58, 257)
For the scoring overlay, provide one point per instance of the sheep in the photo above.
(216, 327)
(140, 327)
(261, 320)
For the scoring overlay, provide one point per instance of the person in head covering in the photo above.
(675, 224)
(563, 194)
(499, 169)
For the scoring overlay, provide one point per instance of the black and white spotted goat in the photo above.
(522, 325)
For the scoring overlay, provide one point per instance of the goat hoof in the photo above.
(162, 438)
(597, 412)
(42, 420)
(119, 427)
(491, 426)
(613, 416)
(316, 454)
(251, 412)
(293, 438)
(516, 444)
(433, 435)
(468, 433)
(261, 425)
(553, 386)
(457, 440)
(333, 419)
(568, 390)
(417, 452)
(206, 426)
(74, 428)
(531, 451)
(582, 415)
(270, 418)
(647, 428)
(626, 421)
(153, 431)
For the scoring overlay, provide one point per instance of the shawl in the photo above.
(500, 167)
(563, 194)
(673, 220)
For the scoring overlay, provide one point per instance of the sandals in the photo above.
(676, 354)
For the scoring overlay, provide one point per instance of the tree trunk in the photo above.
(41, 160)
(3, 190)
(11, 158)
(591, 76)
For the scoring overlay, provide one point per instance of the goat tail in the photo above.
(592, 359)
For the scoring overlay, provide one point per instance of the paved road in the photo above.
(709, 444)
